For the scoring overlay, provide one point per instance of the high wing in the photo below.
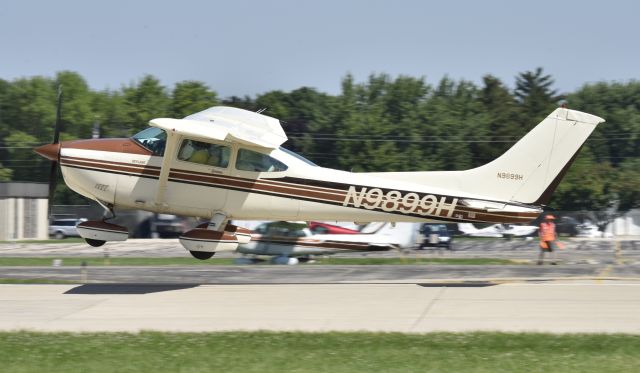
(218, 123)
(228, 124)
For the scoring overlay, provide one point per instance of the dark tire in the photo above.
(303, 259)
(202, 255)
(95, 243)
(59, 235)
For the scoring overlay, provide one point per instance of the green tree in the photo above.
(454, 114)
(304, 113)
(535, 97)
(364, 130)
(77, 113)
(627, 184)
(145, 101)
(30, 106)
(190, 97)
(24, 163)
(5, 173)
(500, 118)
(110, 114)
(245, 102)
(618, 139)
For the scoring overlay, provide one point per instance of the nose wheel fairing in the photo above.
(97, 230)
(243, 235)
(205, 240)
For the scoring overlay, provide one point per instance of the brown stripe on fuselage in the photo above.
(112, 162)
(308, 187)
(254, 185)
(287, 191)
(292, 190)
(124, 145)
(142, 170)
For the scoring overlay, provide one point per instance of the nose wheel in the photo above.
(95, 243)
(202, 255)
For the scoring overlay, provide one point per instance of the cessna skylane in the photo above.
(225, 163)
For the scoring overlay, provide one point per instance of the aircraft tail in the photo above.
(529, 171)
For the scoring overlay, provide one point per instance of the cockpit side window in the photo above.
(248, 160)
(205, 153)
(152, 138)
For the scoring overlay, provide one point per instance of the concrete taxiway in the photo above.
(548, 307)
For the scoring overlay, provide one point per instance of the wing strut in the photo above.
(169, 151)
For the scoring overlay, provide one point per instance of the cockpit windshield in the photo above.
(152, 138)
(298, 156)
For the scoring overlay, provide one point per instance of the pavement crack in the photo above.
(427, 309)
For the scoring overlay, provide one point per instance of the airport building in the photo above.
(626, 225)
(23, 211)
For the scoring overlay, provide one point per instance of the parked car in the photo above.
(168, 226)
(61, 228)
(435, 235)
(567, 226)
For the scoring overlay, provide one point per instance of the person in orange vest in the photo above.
(548, 237)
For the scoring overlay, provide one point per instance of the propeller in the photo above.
(52, 151)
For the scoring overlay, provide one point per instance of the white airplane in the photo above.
(518, 230)
(497, 230)
(225, 163)
(287, 241)
(470, 230)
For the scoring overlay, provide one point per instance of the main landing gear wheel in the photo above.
(95, 243)
(202, 255)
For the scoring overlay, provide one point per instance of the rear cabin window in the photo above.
(205, 153)
(249, 160)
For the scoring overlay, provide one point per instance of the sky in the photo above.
(251, 47)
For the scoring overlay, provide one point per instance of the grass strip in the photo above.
(67, 240)
(318, 352)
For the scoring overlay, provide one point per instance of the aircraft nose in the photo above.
(49, 151)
